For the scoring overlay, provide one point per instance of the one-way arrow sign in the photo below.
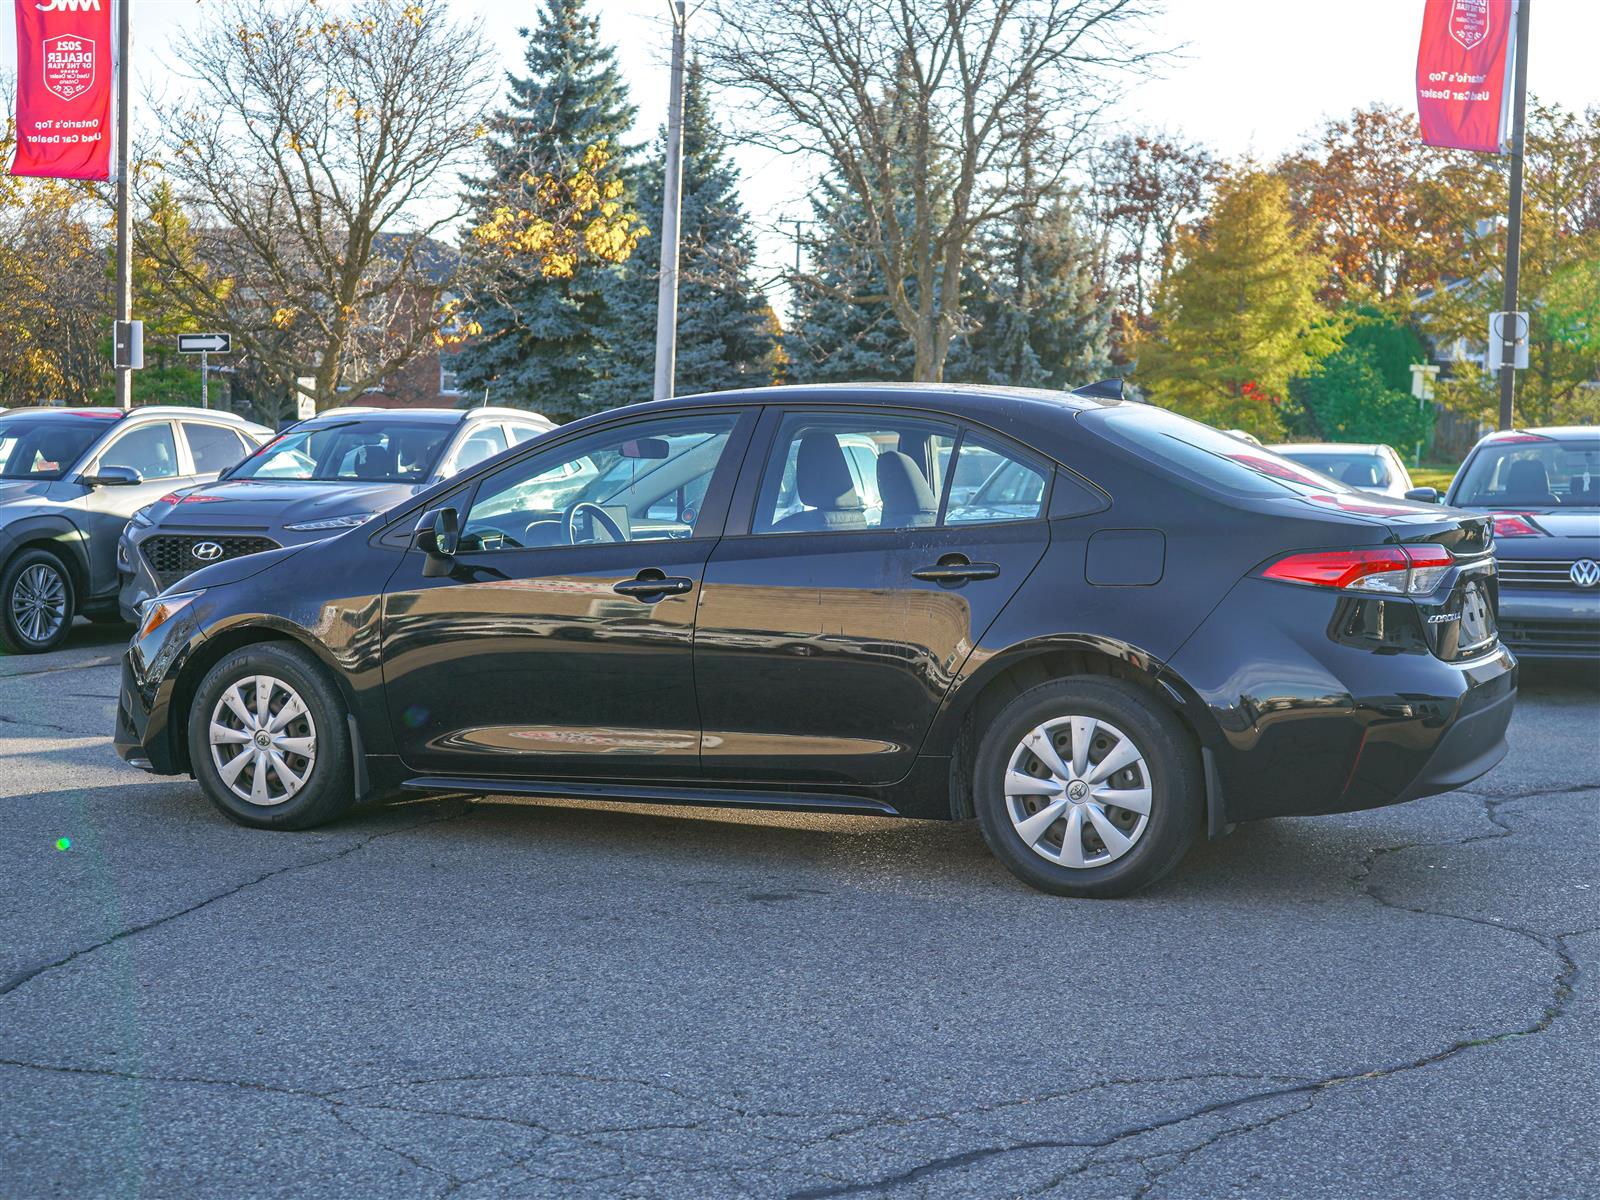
(205, 343)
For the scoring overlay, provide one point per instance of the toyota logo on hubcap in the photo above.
(206, 551)
(1585, 572)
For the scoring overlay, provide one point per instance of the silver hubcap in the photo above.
(39, 603)
(263, 741)
(1078, 792)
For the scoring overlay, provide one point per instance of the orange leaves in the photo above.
(560, 221)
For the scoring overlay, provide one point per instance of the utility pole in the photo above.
(124, 191)
(667, 296)
(1519, 117)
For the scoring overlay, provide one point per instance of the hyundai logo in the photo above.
(1585, 572)
(206, 551)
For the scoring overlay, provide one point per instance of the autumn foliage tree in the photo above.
(1239, 317)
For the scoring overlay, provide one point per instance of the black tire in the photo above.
(328, 787)
(22, 578)
(1175, 783)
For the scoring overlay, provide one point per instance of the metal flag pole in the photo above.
(124, 373)
(1508, 351)
(667, 295)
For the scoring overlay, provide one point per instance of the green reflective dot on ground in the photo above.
(63, 843)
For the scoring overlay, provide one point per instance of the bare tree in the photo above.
(921, 108)
(1147, 187)
(316, 157)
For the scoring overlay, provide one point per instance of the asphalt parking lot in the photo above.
(508, 998)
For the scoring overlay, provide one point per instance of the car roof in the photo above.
(1586, 433)
(148, 411)
(971, 399)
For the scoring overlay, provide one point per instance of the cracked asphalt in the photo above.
(508, 998)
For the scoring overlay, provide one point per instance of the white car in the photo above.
(1372, 468)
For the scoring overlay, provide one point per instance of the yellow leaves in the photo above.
(412, 13)
(566, 219)
(284, 318)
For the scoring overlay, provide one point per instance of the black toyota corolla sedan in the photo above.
(1100, 628)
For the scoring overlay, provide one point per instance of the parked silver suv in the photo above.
(69, 480)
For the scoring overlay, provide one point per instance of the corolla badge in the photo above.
(206, 551)
(1585, 573)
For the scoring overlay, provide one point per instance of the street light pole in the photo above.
(1508, 351)
(671, 205)
(124, 374)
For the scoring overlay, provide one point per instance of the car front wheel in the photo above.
(268, 739)
(39, 603)
(1088, 787)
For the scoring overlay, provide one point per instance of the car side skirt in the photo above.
(633, 793)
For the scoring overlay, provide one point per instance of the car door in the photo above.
(149, 447)
(829, 634)
(560, 643)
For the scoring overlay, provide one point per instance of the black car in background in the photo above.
(1542, 487)
(319, 477)
(69, 480)
(1098, 627)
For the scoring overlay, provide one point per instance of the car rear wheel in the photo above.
(1088, 787)
(38, 603)
(268, 739)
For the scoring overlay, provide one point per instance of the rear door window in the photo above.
(214, 448)
(852, 471)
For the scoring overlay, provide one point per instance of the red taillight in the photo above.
(1397, 569)
(1514, 525)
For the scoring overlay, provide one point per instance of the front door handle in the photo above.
(955, 568)
(653, 584)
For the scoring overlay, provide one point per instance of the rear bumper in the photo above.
(1551, 624)
(1300, 723)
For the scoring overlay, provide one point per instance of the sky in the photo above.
(1248, 77)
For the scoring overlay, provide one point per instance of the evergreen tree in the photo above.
(1348, 400)
(1042, 320)
(541, 344)
(723, 336)
(842, 329)
(1240, 317)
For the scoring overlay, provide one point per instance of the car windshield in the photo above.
(1358, 468)
(46, 449)
(1528, 471)
(371, 450)
(1195, 451)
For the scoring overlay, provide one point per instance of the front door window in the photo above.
(642, 482)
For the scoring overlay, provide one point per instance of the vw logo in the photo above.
(1585, 573)
(206, 551)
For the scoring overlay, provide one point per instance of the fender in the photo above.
(355, 673)
(65, 538)
(984, 665)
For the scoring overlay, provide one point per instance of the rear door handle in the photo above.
(954, 568)
(653, 584)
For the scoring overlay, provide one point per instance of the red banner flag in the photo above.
(1463, 73)
(64, 83)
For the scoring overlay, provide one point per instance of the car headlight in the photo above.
(142, 518)
(349, 521)
(157, 611)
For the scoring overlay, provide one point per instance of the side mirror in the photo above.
(113, 477)
(1424, 495)
(439, 536)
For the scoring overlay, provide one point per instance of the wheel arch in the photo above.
(61, 538)
(224, 642)
(978, 698)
